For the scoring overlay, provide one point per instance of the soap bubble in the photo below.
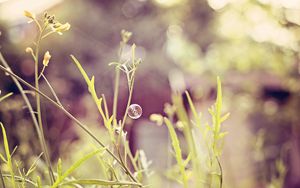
(135, 111)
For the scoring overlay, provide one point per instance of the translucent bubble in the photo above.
(135, 111)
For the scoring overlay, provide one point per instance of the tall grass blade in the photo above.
(177, 149)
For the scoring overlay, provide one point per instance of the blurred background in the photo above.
(253, 45)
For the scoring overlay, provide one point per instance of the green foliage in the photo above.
(61, 177)
(115, 157)
(8, 160)
(201, 165)
(177, 149)
(217, 120)
(98, 101)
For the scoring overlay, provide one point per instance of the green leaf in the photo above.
(38, 181)
(74, 167)
(221, 135)
(8, 156)
(219, 97)
(59, 168)
(82, 71)
(177, 149)
(225, 117)
(91, 87)
(193, 109)
(2, 158)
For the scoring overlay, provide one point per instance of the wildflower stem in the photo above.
(116, 92)
(81, 125)
(47, 34)
(38, 24)
(126, 111)
(117, 82)
(38, 103)
(41, 73)
(51, 89)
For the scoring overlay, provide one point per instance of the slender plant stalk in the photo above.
(81, 125)
(51, 89)
(36, 78)
(116, 92)
(38, 101)
(117, 82)
(126, 111)
(35, 122)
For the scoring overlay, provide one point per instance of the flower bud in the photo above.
(47, 57)
(28, 50)
(62, 27)
(29, 14)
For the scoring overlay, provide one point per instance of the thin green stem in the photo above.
(51, 89)
(81, 125)
(47, 34)
(38, 102)
(38, 24)
(6, 96)
(117, 82)
(42, 72)
(116, 92)
(126, 111)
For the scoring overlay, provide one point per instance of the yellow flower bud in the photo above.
(157, 118)
(29, 14)
(47, 57)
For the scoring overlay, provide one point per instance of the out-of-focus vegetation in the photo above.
(252, 45)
